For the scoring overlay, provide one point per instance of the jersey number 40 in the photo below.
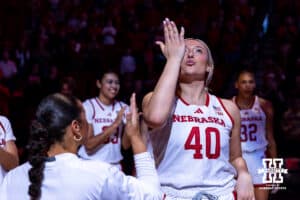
(193, 142)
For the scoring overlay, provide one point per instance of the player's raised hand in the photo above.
(132, 127)
(174, 46)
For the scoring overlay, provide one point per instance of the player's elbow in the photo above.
(154, 120)
(89, 148)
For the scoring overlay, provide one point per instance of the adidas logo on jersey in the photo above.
(198, 111)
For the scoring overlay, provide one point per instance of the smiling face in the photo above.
(109, 86)
(197, 63)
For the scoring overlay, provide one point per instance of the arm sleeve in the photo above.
(145, 186)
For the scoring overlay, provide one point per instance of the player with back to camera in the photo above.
(195, 136)
(54, 171)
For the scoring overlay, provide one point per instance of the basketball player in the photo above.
(256, 129)
(9, 158)
(105, 116)
(55, 172)
(195, 135)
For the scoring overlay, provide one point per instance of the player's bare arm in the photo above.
(94, 142)
(9, 158)
(268, 109)
(157, 105)
(244, 186)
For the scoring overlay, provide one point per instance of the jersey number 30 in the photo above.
(193, 142)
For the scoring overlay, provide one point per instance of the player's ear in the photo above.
(208, 68)
(236, 85)
(98, 84)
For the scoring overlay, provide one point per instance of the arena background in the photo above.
(45, 41)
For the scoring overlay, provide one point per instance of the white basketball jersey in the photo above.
(253, 127)
(192, 149)
(102, 116)
(6, 134)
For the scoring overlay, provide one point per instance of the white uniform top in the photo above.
(68, 177)
(192, 150)
(101, 116)
(6, 134)
(253, 128)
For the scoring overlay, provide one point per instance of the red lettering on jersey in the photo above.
(255, 118)
(103, 120)
(188, 118)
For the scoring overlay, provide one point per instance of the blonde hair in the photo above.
(210, 61)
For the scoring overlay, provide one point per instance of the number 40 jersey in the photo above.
(195, 144)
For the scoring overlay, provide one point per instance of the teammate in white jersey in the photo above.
(256, 129)
(195, 136)
(106, 120)
(9, 158)
(55, 172)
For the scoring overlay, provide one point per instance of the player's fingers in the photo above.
(128, 118)
(161, 45)
(174, 31)
(166, 31)
(182, 31)
(133, 108)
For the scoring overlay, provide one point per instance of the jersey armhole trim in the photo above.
(94, 112)
(228, 114)
(1, 125)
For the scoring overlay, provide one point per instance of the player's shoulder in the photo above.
(92, 166)
(264, 102)
(3, 119)
(21, 170)
(230, 106)
(266, 105)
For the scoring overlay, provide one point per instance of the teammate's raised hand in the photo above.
(174, 45)
(132, 127)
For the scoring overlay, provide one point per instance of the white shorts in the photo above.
(173, 194)
(254, 163)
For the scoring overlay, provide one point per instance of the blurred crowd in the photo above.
(59, 45)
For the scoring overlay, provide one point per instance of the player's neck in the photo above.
(245, 102)
(105, 101)
(196, 96)
(58, 148)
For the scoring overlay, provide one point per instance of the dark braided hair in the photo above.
(53, 115)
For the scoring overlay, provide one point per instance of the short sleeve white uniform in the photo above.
(192, 151)
(69, 177)
(253, 139)
(101, 116)
(6, 134)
